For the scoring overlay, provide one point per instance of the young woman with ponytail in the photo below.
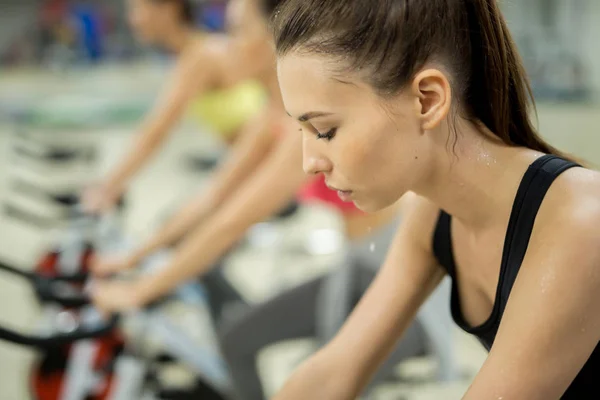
(430, 96)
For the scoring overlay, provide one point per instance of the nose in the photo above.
(314, 160)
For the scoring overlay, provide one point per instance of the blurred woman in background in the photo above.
(221, 80)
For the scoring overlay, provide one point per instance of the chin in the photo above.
(369, 206)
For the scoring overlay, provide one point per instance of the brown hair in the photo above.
(269, 6)
(388, 41)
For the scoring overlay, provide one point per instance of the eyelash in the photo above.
(327, 135)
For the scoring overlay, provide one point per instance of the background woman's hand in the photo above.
(99, 198)
(108, 265)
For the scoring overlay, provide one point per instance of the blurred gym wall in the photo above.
(558, 38)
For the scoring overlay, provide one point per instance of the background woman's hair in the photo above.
(388, 41)
(187, 11)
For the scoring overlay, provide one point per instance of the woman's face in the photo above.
(151, 19)
(234, 15)
(370, 148)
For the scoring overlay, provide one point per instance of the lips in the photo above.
(345, 195)
(336, 189)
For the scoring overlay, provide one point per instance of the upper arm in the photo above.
(273, 183)
(551, 323)
(256, 140)
(256, 136)
(192, 75)
(409, 274)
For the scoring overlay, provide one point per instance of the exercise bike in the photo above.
(115, 365)
(75, 321)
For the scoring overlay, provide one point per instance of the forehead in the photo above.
(308, 83)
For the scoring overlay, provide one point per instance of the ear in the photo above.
(433, 93)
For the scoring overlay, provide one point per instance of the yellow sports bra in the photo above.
(224, 111)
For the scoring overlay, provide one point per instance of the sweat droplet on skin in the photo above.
(546, 281)
(486, 158)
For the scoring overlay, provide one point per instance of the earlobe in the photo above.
(433, 93)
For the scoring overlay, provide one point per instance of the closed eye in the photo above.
(327, 135)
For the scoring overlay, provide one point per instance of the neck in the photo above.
(178, 39)
(476, 180)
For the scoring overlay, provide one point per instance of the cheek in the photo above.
(375, 150)
(384, 162)
(357, 162)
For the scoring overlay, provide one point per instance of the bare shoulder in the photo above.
(207, 51)
(568, 222)
(573, 199)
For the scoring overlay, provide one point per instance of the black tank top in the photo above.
(534, 185)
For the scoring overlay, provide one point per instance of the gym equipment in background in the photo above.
(74, 320)
(53, 153)
(123, 363)
(46, 179)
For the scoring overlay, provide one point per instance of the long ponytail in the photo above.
(498, 91)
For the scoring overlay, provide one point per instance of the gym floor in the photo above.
(167, 182)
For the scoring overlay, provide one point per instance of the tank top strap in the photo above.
(535, 184)
(442, 243)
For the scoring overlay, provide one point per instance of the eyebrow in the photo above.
(310, 115)
(345, 82)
